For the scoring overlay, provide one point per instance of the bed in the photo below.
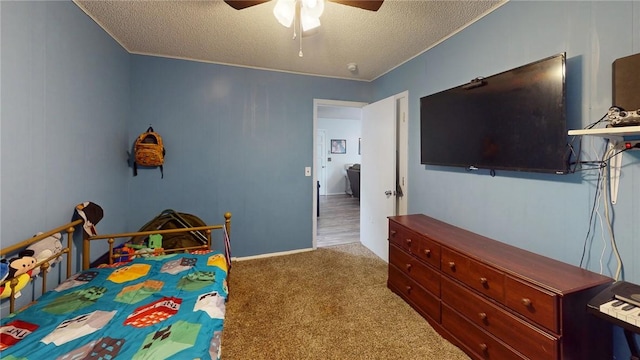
(140, 305)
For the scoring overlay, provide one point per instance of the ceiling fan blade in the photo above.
(362, 4)
(243, 4)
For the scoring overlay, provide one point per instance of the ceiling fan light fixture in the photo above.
(310, 12)
(304, 15)
(285, 11)
(314, 8)
(308, 22)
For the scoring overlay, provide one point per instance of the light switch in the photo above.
(307, 171)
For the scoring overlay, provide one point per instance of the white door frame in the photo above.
(322, 168)
(316, 103)
(402, 147)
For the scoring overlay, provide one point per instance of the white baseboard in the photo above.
(270, 255)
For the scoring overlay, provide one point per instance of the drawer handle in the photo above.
(393, 233)
(408, 266)
(483, 316)
(526, 302)
(484, 347)
(408, 242)
(452, 265)
(408, 287)
(427, 252)
(483, 281)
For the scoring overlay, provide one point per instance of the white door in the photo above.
(321, 160)
(378, 174)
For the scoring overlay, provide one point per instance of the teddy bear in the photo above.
(46, 248)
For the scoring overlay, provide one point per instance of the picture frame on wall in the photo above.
(338, 146)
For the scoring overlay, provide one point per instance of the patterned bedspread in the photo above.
(160, 307)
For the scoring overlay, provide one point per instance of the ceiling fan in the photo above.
(304, 15)
(362, 4)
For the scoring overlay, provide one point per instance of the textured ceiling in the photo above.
(212, 31)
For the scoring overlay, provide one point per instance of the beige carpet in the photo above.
(331, 303)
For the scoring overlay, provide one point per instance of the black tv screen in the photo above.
(514, 120)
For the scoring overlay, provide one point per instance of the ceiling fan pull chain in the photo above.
(300, 53)
(294, 28)
(298, 22)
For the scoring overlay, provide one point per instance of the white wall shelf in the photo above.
(619, 139)
(623, 133)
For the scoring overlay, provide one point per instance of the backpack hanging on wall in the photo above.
(148, 150)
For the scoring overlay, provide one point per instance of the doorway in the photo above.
(338, 128)
(400, 138)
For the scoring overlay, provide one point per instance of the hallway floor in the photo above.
(339, 221)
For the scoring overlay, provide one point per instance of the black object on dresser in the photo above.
(493, 300)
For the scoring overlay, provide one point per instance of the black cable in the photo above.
(597, 122)
(604, 163)
(572, 149)
(593, 210)
(617, 153)
(598, 167)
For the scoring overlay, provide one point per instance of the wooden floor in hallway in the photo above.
(339, 220)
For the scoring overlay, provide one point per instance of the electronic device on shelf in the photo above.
(620, 304)
(620, 117)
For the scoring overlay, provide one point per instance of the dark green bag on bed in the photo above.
(169, 219)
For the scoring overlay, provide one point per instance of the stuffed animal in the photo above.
(46, 248)
(4, 270)
(20, 268)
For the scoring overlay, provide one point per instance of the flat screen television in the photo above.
(514, 120)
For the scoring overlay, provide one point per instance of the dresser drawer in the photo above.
(410, 266)
(408, 289)
(476, 340)
(429, 251)
(532, 302)
(404, 238)
(416, 244)
(529, 340)
(480, 277)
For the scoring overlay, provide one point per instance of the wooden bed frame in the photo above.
(113, 253)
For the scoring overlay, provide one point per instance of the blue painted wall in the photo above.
(237, 140)
(546, 214)
(65, 114)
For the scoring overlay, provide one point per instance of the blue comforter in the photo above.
(160, 307)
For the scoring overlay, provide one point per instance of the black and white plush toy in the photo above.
(92, 214)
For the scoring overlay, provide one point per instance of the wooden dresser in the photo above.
(493, 300)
